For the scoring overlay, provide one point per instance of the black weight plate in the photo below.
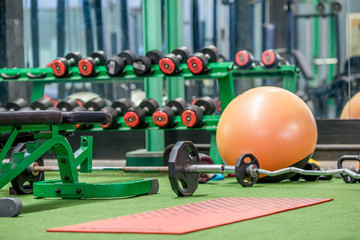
(16, 104)
(212, 52)
(76, 56)
(241, 170)
(183, 154)
(95, 104)
(155, 56)
(114, 66)
(182, 52)
(311, 166)
(18, 183)
(67, 104)
(149, 105)
(41, 104)
(142, 65)
(166, 154)
(347, 178)
(128, 57)
(99, 55)
(121, 105)
(178, 104)
(207, 103)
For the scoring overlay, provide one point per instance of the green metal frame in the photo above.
(52, 136)
(288, 73)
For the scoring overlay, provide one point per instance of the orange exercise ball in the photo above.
(351, 109)
(273, 124)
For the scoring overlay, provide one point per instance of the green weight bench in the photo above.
(50, 130)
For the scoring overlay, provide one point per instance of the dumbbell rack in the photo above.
(288, 73)
(219, 71)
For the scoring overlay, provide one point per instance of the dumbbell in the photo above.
(16, 104)
(142, 64)
(163, 117)
(88, 66)
(68, 104)
(96, 104)
(115, 65)
(121, 105)
(114, 117)
(347, 178)
(135, 116)
(192, 115)
(61, 66)
(245, 60)
(272, 59)
(42, 104)
(170, 63)
(199, 61)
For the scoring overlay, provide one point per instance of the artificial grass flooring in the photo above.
(337, 219)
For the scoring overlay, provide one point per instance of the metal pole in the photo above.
(35, 32)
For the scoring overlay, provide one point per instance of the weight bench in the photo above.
(50, 129)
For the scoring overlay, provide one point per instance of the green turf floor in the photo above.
(338, 219)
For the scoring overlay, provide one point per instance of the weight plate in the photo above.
(41, 104)
(101, 56)
(243, 165)
(75, 56)
(67, 104)
(26, 176)
(95, 104)
(121, 105)
(347, 178)
(114, 66)
(16, 104)
(177, 104)
(127, 56)
(163, 116)
(182, 155)
(207, 103)
(149, 105)
(197, 63)
(211, 52)
(183, 53)
(166, 154)
(155, 56)
(169, 64)
(142, 65)
(311, 166)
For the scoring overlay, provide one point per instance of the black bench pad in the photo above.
(30, 117)
(86, 117)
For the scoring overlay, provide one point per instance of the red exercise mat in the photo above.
(193, 217)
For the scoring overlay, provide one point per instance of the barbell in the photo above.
(184, 169)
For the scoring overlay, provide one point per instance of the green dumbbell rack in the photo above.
(288, 73)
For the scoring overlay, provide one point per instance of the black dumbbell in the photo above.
(198, 62)
(42, 104)
(61, 66)
(142, 64)
(88, 66)
(272, 59)
(16, 104)
(68, 104)
(245, 60)
(96, 104)
(115, 65)
(114, 116)
(163, 117)
(135, 116)
(121, 105)
(192, 115)
(170, 63)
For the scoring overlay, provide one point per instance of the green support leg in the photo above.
(290, 82)
(214, 152)
(226, 89)
(38, 90)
